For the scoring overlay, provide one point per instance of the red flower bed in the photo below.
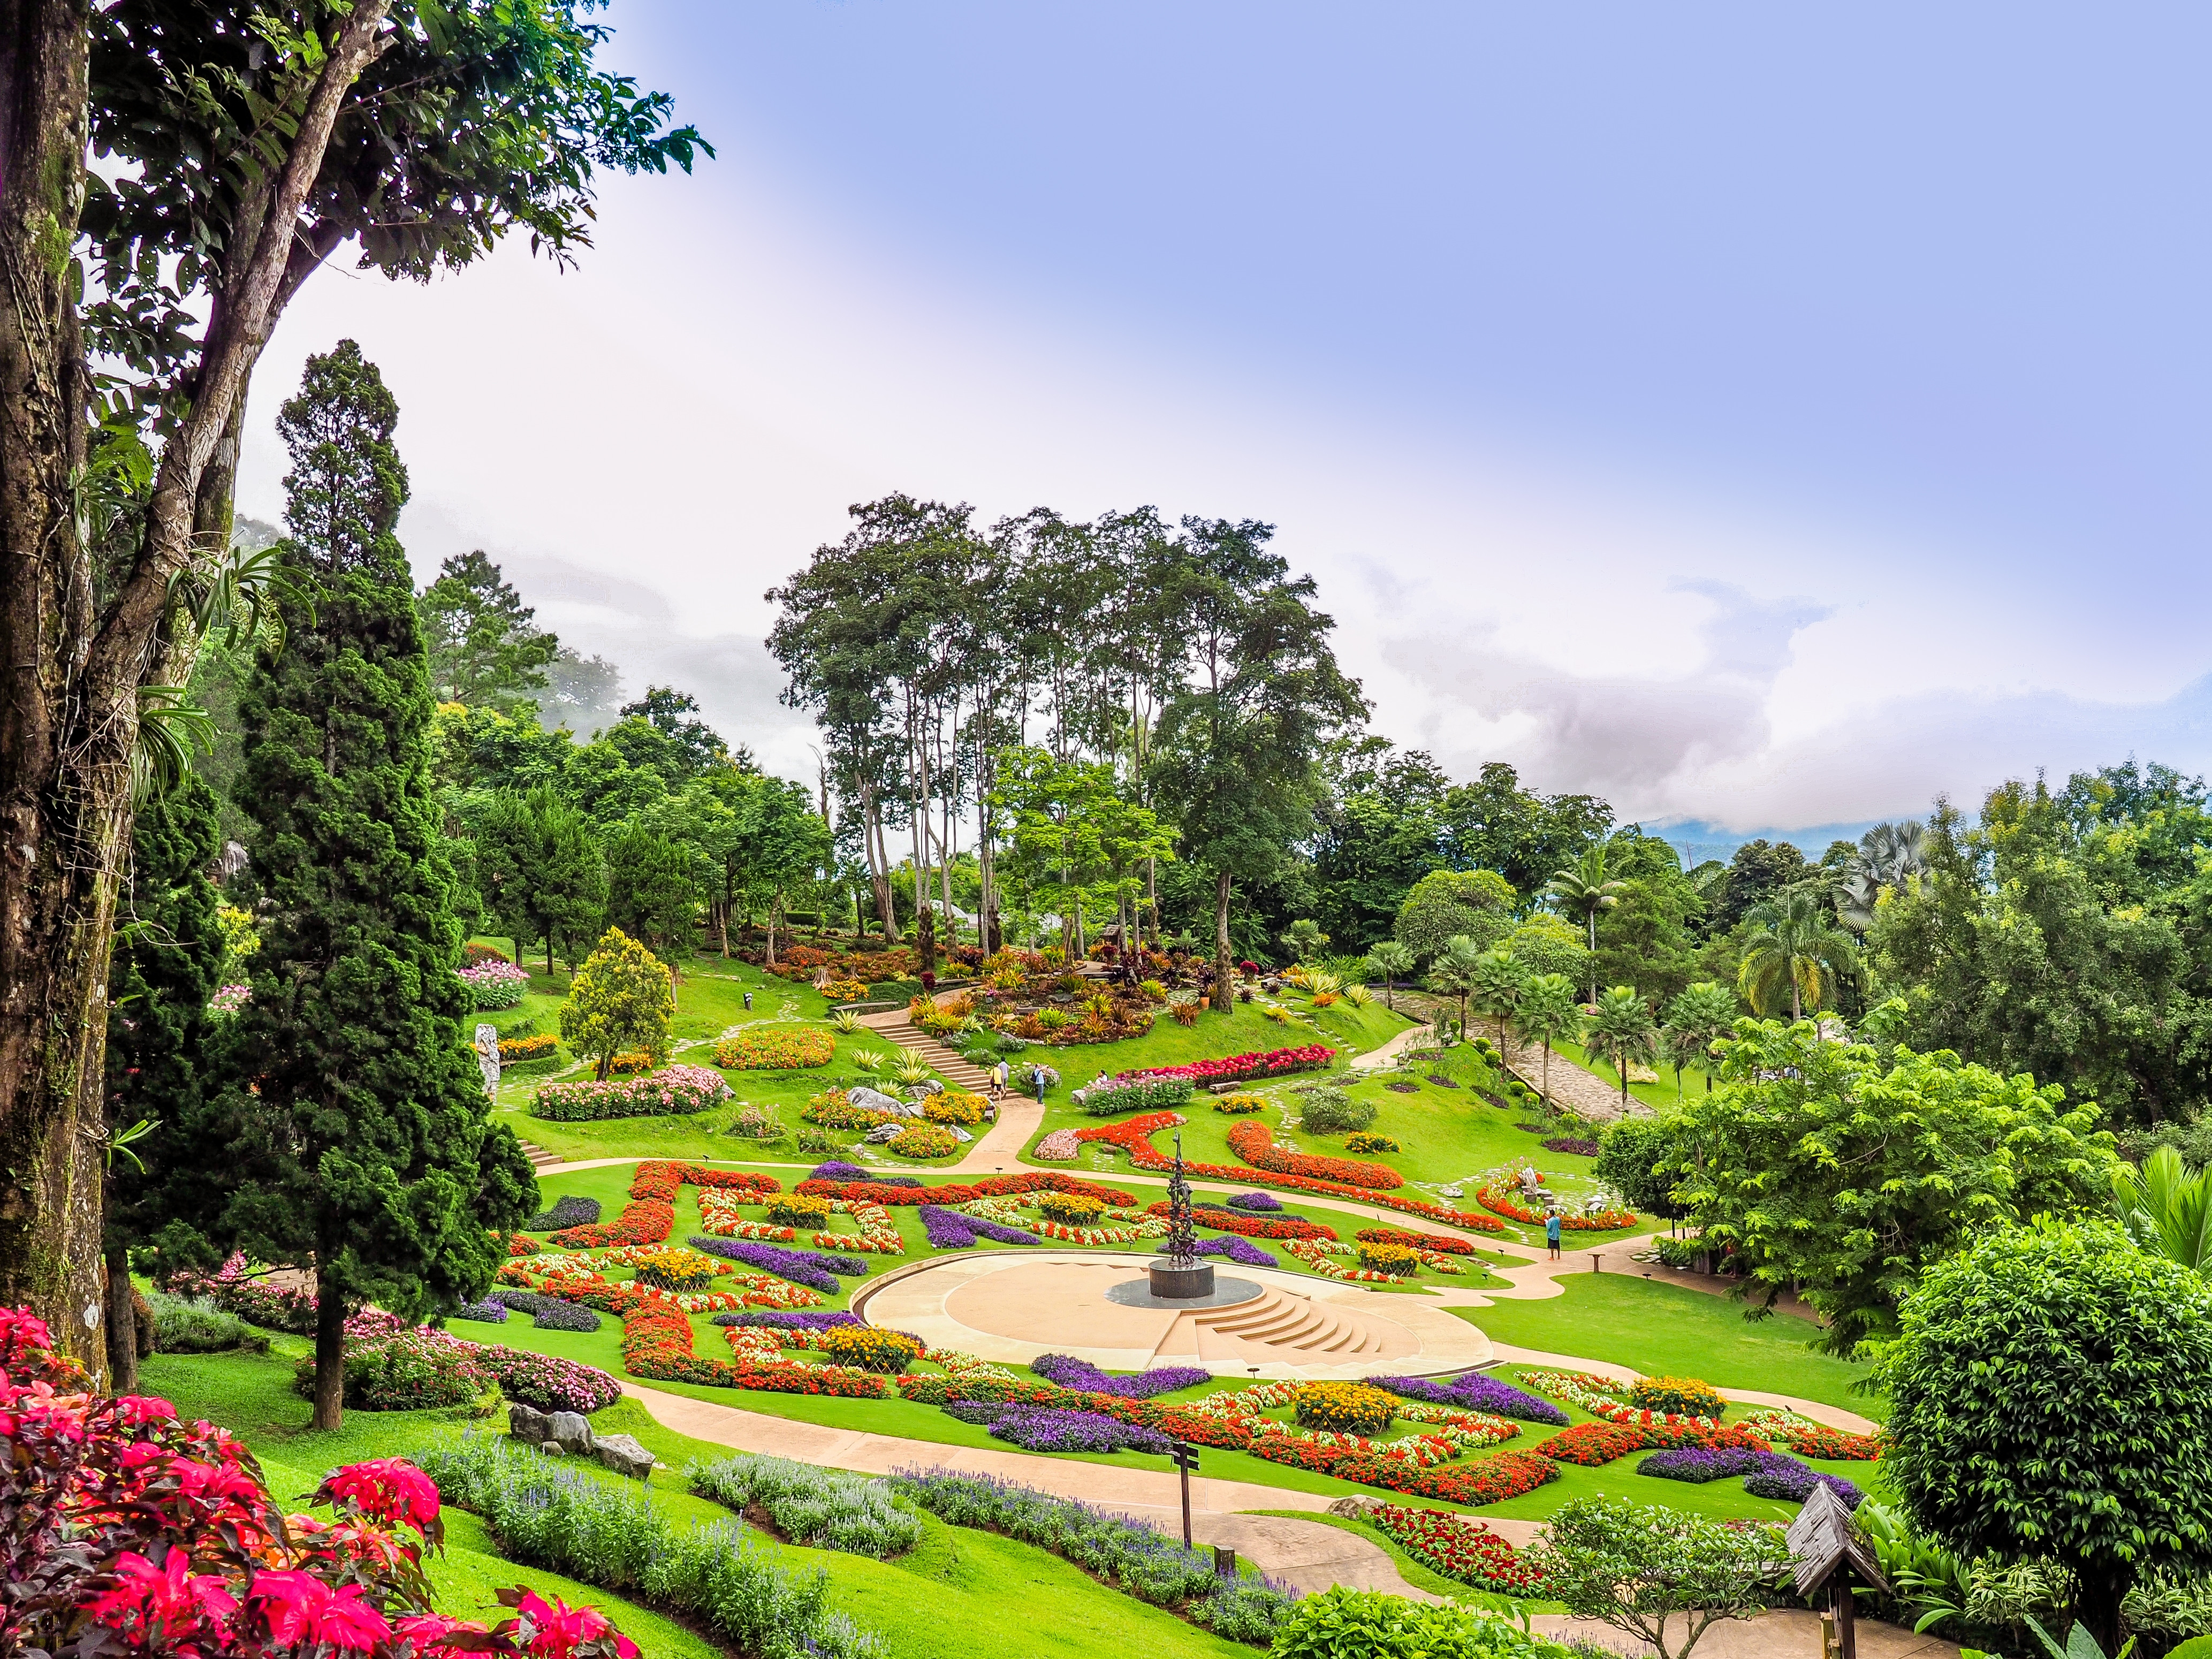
(644, 1221)
(1591, 1444)
(1252, 1226)
(1818, 1440)
(650, 1216)
(656, 1344)
(1256, 1144)
(659, 1178)
(1134, 1135)
(1238, 1068)
(1414, 1241)
(869, 1192)
(1505, 1205)
(1458, 1548)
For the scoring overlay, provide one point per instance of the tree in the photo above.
(1825, 1171)
(364, 1146)
(164, 1052)
(483, 646)
(1582, 892)
(1760, 870)
(1304, 940)
(1699, 1017)
(1622, 1026)
(1636, 1158)
(1550, 946)
(2017, 1388)
(1393, 961)
(1380, 830)
(1494, 824)
(1499, 981)
(1640, 1568)
(620, 1001)
(1453, 972)
(2167, 1207)
(542, 872)
(1445, 904)
(1547, 1014)
(1888, 858)
(1795, 943)
(649, 891)
(248, 145)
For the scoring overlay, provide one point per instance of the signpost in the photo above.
(1185, 1458)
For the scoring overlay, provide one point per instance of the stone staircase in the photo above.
(539, 1158)
(896, 1028)
(1279, 1325)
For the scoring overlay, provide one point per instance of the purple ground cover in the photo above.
(791, 1321)
(1238, 1249)
(834, 1170)
(949, 1230)
(1795, 1484)
(1054, 1429)
(809, 1267)
(486, 1312)
(1700, 1464)
(1474, 1393)
(1073, 1373)
(1253, 1201)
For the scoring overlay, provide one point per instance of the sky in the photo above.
(1764, 418)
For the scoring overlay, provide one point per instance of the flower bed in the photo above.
(1345, 1408)
(1146, 1094)
(680, 1090)
(1061, 1146)
(1678, 1396)
(495, 984)
(1256, 1144)
(1474, 1392)
(1591, 1444)
(807, 1268)
(1239, 1068)
(1076, 1209)
(798, 1209)
(1412, 1241)
(1239, 1105)
(924, 1140)
(1009, 1186)
(1229, 1221)
(949, 1230)
(1810, 1439)
(1263, 1203)
(774, 1050)
(1464, 1551)
(392, 1366)
(670, 1267)
(1236, 1249)
(1499, 1202)
(1575, 1145)
(1057, 1429)
(868, 1349)
(1390, 1259)
(237, 1288)
(520, 1051)
(1071, 1373)
(956, 1106)
(1364, 1142)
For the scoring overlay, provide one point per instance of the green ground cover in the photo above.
(959, 1594)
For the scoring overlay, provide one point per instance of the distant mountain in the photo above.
(1698, 840)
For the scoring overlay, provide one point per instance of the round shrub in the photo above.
(1390, 1259)
(1327, 1110)
(1367, 1143)
(953, 1106)
(1684, 1396)
(1075, 1209)
(798, 1210)
(495, 984)
(1345, 1408)
(925, 1141)
(870, 1349)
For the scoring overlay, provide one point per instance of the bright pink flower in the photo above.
(390, 1488)
(303, 1611)
(558, 1630)
(163, 1605)
(146, 1408)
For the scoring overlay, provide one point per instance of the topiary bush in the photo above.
(1345, 1408)
(1684, 1396)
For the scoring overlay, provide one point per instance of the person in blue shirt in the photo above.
(1552, 1233)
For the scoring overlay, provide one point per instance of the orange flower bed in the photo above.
(1256, 1144)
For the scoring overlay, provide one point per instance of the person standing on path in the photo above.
(1551, 1231)
(999, 1080)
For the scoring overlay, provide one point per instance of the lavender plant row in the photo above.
(949, 1230)
(550, 1312)
(791, 1321)
(1474, 1393)
(1070, 1372)
(809, 1267)
(1766, 1474)
(1238, 1249)
(1256, 1202)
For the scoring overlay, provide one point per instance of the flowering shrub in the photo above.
(955, 1106)
(1147, 1094)
(495, 984)
(238, 1289)
(1680, 1397)
(630, 1062)
(1370, 1142)
(836, 1110)
(516, 1051)
(229, 999)
(1390, 1259)
(1501, 1203)
(924, 1140)
(1061, 1146)
(483, 1313)
(1462, 1550)
(1071, 1373)
(1076, 1209)
(1253, 1144)
(671, 1267)
(679, 1091)
(774, 1050)
(1345, 1408)
(870, 1349)
(1240, 1105)
(392, 1367)
(799, 1209)
(1238, 1068)
(846, 990)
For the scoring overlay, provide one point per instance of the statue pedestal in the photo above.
(1171, 1283)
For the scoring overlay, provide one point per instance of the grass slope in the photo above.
(960, 1594)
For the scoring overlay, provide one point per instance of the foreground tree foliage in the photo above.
(2050, 1397)
(1658, 1574)
(1822, 1167)
(364, 1146)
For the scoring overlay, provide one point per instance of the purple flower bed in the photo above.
(488, 1313)
(834, 1170)
(791, 1321)
(1253, 1201)
(1052, 1429)
(1793, 1484)
(1574, 1143)
(1073, 1373)
(1237, 1249)
(551, 1313)
(809, 1267)
(949, 1230)
(1474, 1392)
(1700, 1465)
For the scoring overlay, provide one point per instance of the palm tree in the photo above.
(1452, 973)
(1623, 1027)
(1889, 856)
(1582, 892)
(2167, 1206)
(1798, 944)
(1547, 1014)
(1304, 940)
(1391, 960)
(1500, 978)
(1699, 1018)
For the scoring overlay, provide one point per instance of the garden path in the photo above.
(1581, 1090)
(1412, 1037)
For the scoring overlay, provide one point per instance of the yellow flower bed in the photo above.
(954, 1106)
(798, 1210)
(869, 1349)
(1345, 1408)
(1075, 1209)
(1396, 1259)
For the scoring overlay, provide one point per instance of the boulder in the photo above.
(623, 1454)
(875, 1100)
(883, 1133)
(529, 1423)
(573, 1432)
(1357, 1507)
(552, 1449)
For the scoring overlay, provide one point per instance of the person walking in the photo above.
(1551, 1231)
(999, 1080)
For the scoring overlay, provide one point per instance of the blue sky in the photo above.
(1761, 418)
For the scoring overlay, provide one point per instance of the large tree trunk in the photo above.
(1224, 970)
(330, 1359)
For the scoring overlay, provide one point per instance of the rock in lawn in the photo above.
(552, 1449)
(1357, 1507)
(623, 1454)
(528, 1423)
(875, 1100)
(573, 1432)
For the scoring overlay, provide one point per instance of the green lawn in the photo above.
(959, 1594)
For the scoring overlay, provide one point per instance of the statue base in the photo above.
(1225, 1293)
(1172, 1283)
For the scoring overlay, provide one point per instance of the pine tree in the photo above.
(163, 1047)
(364, 1143)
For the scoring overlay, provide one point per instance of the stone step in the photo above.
(539, 1158)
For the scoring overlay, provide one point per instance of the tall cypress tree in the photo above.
(365, 1146)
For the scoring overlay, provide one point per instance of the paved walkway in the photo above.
(1412, 1037)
